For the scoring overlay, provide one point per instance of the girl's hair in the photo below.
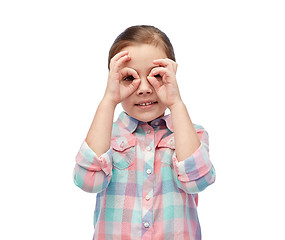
(141, 34)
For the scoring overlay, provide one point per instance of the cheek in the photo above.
(126, 104)
(163, 108)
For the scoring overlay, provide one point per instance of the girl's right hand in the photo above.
(122, 81)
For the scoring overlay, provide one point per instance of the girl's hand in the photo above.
(163, 80)
(122, 82)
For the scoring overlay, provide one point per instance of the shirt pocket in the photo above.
(166, 149)
(124, 151)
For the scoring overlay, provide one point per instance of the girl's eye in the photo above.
(157, 76)
(129, 78)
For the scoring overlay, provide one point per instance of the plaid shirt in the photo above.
(144, 192)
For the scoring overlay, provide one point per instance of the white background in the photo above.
(53, 71)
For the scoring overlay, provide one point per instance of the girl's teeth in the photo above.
(145, 104)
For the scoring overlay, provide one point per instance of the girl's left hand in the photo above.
(163, 80)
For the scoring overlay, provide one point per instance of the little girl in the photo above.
(146, 167)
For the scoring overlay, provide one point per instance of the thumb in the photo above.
(134, 85)
(154, 82)
(130, 89)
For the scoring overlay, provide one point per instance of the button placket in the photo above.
(148, 154)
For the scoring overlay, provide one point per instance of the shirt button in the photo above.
(147, 197)
(146, 224)
(148, 148)
(148, 171)
(156, 123)
(148, 132)
(122, 144)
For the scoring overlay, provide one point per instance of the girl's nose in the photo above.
(144, 87)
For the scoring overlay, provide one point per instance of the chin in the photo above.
(146, 117)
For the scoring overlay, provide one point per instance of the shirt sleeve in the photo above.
(92, 173)
(197, 172)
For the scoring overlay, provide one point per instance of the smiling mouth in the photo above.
(145, 104)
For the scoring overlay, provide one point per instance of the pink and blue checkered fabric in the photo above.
(143, 191)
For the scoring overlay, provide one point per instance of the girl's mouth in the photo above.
(145, 103)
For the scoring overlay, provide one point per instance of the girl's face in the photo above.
(144, 104)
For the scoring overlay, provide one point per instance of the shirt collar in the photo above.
(168, 120)
(131, 123)
(127, 122)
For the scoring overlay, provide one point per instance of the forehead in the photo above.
(143, 55)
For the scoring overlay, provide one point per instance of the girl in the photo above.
(146, 168)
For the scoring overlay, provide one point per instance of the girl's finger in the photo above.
(158, 70)
(134, 85)
(129, 89)
(118, 64)
(161, 62)
(118, 56)
(165, 63)
(154, 82)
(129, 72)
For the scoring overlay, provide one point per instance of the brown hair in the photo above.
(141, 34)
